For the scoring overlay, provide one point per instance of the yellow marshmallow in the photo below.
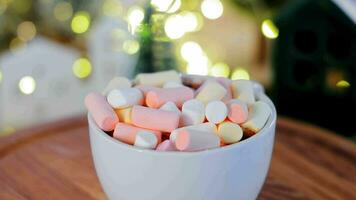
(243, 90)
(210, 91)
(258, 116)
(229, 132)
(157, 79)
(124, 115)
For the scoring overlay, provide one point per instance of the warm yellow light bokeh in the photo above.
(168, 6)
(7, 130)
(240, 73)
(269, 29)
(131, 46)
(212, 9)
(134, 17)
(220, 70)
(161, 5)
(198, 65)
(1, 76)
(190, 21)
(176, 5)
(3, 6)
(191, 50)
(63, 11)
(174, 27)
(80, 22)
(82, 68)
(20, 6)
(27, 85)
(16, 44)
(342, 84)
(26, 31)
(112, 8)
(118, 33)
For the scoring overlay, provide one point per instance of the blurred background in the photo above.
(53, 52)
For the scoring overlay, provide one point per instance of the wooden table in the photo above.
(54, 162)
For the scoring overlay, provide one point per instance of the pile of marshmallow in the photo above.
(166, 111)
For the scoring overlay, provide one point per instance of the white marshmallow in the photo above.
(193, 112)
(126, 97)
(205, 127)
(146, 140)
(259, 113)
(170, 106)
(172, 84)
(210, 91)
(229, 132)
(216, 112)
(157, 79)
(117, 83)
(243, 90)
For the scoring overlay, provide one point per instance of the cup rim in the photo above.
(265, 130)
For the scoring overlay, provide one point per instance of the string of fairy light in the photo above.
(177, 24)
(180, 23)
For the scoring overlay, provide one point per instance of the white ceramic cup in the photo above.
(233, 172)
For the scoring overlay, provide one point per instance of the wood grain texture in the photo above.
(53, 162)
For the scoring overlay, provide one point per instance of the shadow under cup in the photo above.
(236, 171)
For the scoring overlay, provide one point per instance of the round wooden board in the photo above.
(53, 162)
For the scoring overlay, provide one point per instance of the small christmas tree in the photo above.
(156, 52)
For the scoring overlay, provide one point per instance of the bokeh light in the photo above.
(16, 45)
(118, 33)
(26, 31)
(212, 9)
(176, 5)
(161, 5)
(7, 130)
(269, 30)
(131, 46)
(198, 65)
(174, 27)
(63, 11)
(220, 70)
(169, 6)
(20, 6)
(27, 85)
(190, 21)
(191, 50)
(240, 73)
(135, 16)
(112, 8)
(82, 68)
(3, 6)
(342, 84)
(1, 76)
(80, 22)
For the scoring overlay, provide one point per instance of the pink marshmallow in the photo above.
(166, 145)
(226, 83)
(156, 98)
(154, 119)
(194, 140)
(146, 88)
(102, 113)
(127, 133)
(238, 111)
